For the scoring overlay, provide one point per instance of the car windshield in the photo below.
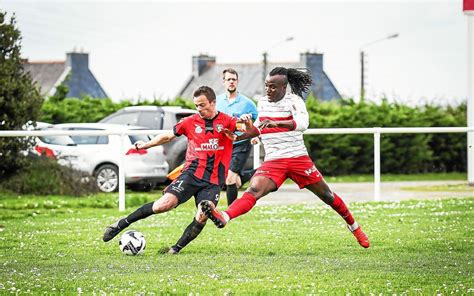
(57, 140)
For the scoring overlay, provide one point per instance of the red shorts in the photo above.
(299, 169)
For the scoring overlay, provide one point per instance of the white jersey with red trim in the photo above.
(283, 142)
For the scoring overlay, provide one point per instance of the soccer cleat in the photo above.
(361, 237)
(209, 209)
(111, 231)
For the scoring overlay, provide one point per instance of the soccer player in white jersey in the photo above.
(282, 119)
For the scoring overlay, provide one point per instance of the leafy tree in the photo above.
(20, 101)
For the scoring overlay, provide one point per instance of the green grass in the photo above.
(52, 245)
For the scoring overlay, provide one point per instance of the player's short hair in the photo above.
(231, 71)
(207, 92)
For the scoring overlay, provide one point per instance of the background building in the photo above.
(205, 71)
(74, 72)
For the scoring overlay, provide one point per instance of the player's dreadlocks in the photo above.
(300, 81)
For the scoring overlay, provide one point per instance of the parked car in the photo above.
(101, 155)
(61, 148)
(156, 118)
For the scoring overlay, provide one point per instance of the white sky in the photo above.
(144, 49)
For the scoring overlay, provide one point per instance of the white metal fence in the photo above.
(376, 131)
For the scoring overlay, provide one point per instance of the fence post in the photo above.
(470, 98)
(121, 175)
(376, 163)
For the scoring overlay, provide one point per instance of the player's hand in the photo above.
(246, 119)
(229, 134)
(267, 123)
(139, 145)
(254, 141)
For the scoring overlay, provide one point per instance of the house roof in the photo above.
(250, 78)
(47, 75)
(74, 73)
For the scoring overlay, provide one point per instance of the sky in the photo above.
(144, 50)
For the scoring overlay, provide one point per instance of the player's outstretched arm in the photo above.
(251, 132)
(156, 141)
(287, 124)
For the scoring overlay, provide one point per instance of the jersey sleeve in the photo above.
(300, 114)
(181, 127)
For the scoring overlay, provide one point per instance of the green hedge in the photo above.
(400, 153)
(87, 109)
(336, 154)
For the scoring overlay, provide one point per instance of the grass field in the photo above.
(52, 245)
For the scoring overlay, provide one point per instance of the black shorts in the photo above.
(186, 185)
(240, 154)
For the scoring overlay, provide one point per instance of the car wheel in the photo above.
(107, 178)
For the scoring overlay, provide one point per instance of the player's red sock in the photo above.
(340, 207)
(241, 205)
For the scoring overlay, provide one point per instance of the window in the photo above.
(89, 140)
(135, 138)
(150, 119)
(130, 118)
(57, 140)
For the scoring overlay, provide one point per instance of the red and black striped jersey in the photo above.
(209, 150)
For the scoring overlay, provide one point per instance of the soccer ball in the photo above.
(132, 242)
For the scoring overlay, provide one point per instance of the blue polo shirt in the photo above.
(239, 106)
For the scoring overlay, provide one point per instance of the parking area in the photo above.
(363, 191)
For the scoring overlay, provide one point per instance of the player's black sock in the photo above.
(190, 233)
(246, 175)
(231, 191)
(142, 212)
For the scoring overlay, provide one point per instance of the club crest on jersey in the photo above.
(219, 128)
(212, 145)
(198, 129)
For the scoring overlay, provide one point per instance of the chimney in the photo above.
(77, 60)
(314, 63)
(202, 63)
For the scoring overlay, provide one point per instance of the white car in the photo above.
(156, 118)
(100, 155)
(61, 148)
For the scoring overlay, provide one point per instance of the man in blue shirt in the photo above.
(235, 104)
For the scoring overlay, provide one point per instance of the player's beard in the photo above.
(232, 90)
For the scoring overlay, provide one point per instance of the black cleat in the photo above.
(209, 209)
(111, 231)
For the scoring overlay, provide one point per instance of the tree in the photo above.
(20, 100)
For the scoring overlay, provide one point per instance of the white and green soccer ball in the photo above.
(132, 243)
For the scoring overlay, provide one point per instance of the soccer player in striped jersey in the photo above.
(204, 173)
(282, 119)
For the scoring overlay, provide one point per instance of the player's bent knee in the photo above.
(256, 191)
(164, 204)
